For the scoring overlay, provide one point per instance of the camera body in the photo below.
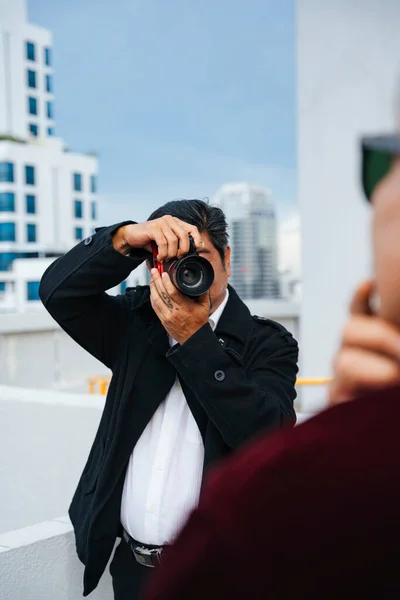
(191, 274)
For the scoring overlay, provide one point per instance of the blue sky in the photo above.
(177, 97)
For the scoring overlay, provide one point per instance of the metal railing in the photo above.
(100, 384)
(303, 381)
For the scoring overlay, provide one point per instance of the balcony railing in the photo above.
(99, 384)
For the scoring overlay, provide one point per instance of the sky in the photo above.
(177, 97)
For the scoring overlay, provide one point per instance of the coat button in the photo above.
(88, 241)
(219, 375)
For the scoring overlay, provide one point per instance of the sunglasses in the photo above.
(377, 156)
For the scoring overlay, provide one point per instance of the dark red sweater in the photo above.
(311, 513)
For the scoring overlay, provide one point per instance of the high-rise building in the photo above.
(48, 195)
(253, 239)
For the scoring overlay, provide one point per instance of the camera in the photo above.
(191, 274)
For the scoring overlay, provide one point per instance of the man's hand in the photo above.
(180, 316)
(170, 234)
(369, 357)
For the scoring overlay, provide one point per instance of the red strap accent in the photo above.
(157, 265)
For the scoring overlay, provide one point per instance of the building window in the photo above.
(32, 290)
(94, 211)
(2, 286)
(50, 110)
(77, 177)
(30, 204)
(29, 175)
(33, 129)
(93, 184)
(78, 206)
(7, 232)
(30, 51)
(78, 233)
(31, 79)
(6, 172)
(47, 57)
(31, 232)
(49, 84)
(6, 259)
(50, 131)
(32, 106)
(7, 202)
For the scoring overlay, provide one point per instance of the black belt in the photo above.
(145, 554)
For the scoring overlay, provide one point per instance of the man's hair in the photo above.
(208, 219)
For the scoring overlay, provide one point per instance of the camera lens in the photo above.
(193, 276)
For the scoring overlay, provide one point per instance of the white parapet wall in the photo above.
(40, 563)
(40, 466)
(36, 353)
(39, 471)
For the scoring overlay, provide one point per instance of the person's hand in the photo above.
(169, 233)
(180, 316)
(369, 356)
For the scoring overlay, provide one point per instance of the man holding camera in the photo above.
(194, 377)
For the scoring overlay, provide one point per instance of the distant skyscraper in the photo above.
(48, 195)
(253, 239)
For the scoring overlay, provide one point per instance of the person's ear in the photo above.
(228, 261)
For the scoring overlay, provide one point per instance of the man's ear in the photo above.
(228, 261)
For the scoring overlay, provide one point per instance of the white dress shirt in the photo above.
(163, 479)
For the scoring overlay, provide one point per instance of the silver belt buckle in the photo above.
(147, 557)
(143, 558)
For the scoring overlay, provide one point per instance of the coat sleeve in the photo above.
(241, 400)
(73, 290)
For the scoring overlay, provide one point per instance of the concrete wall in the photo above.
(40, 563)
(348, 65)
(40, 466)
(38, 474)
(39, 470)
(35, 352)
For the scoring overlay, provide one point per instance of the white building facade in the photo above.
(26, 74)
(253, 238)
(48, 195)
(350, 91)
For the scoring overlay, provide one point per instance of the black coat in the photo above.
(238, 380)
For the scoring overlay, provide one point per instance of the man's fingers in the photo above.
(155, 299)
(194, 232)
(183, 236)
(172, 237)
(170, 289)
(162, 245)
(360, 304)
(205, 300)
(172, 242)
(161, 291)
(373, 334)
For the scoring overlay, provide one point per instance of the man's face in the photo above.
(221, 271)
(386, 242)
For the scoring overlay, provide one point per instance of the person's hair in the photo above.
(207, 218)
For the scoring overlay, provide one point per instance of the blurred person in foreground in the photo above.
(314, 513)
(193, 379)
